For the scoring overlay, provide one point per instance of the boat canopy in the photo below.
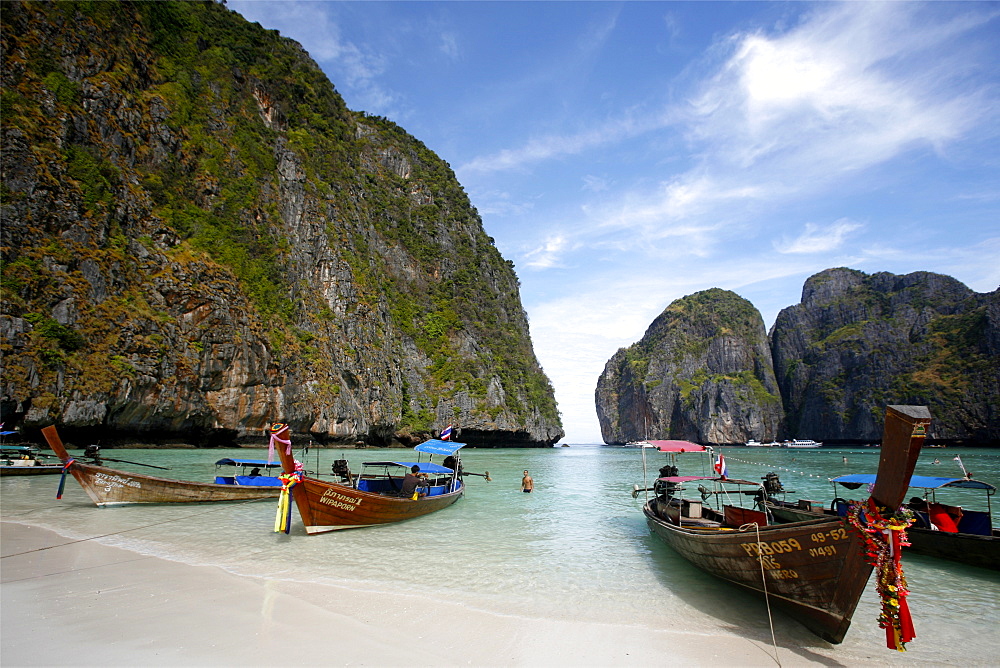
(436, 446)
(678, 479)
(855, 480)
(248, 462)
(20, 449)
(686, 478)
(678, 446)
(425, 467)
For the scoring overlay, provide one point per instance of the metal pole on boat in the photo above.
(645, 479)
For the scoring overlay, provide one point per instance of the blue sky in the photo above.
(624, 155)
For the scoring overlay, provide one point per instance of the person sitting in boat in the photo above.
(413, 480)
(943, 517)
(254, 472)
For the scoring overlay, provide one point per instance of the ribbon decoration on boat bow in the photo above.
(277, 428)
(884, 538)
(62, 478)
(283, 517)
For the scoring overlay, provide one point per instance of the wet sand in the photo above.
(83, 603)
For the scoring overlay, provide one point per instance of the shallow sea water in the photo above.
(577, 548)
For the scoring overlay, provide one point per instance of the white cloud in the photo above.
(595, 183)
(785, 116)
(547, 256)
(818, 239)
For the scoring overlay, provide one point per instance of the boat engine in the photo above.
(668, 471)
(93, 452)
(772, 484)
(340, 468)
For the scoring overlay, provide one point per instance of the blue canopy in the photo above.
(7, 433)
(855, 480)
(247, 462)
(425, 467)
(436, 446)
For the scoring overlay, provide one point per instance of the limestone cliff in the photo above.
(857, 342)
(702, 372)
(198, 238)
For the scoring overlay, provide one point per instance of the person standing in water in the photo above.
(527, 484)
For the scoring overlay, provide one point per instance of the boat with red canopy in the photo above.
(815, 569)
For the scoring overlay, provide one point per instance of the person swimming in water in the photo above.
(527, 484)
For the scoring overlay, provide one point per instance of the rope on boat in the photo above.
(763, 579)
(115, 533)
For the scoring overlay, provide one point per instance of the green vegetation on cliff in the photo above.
(165, 159)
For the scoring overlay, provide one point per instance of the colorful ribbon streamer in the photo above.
(884, 538)
(62, 478)
(283, 516)
(275, 429)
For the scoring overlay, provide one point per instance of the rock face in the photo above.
(702, 372)
(857, 342)
(199, 238)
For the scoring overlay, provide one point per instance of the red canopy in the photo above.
(677, 446)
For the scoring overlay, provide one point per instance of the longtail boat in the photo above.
(966, 537)
(815, 569)
(370, 498)
(112, 487)
(24, 460)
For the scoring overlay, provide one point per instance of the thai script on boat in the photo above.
(112, 481)
(338, 500)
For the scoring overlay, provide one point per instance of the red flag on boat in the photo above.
(446, 433)
(720, 466)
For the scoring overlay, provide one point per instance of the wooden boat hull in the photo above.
(328, 506)
(964, 548)
(816, 569)
(804, 565)
(112, 487)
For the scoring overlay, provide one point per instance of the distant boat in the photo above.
(24, 460)
(753, 443)
(816, 569)
(796, 443)
(113, 487)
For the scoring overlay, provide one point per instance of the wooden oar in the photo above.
(481, 475)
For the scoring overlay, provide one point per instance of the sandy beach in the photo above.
(84, 603)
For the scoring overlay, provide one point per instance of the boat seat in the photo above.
(975, 522)
(258, 481)
(699, 523)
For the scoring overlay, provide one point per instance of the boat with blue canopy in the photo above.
(247, 472)
(384, 492)
(941, 530)
(24, 460)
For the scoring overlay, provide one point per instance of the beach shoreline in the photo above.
(83, 603)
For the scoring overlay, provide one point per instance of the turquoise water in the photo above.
(577, 548)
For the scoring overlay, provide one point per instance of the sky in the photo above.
(626, 154)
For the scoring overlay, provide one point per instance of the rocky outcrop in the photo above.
(702, 372)
(199, 238)
(858, 342)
